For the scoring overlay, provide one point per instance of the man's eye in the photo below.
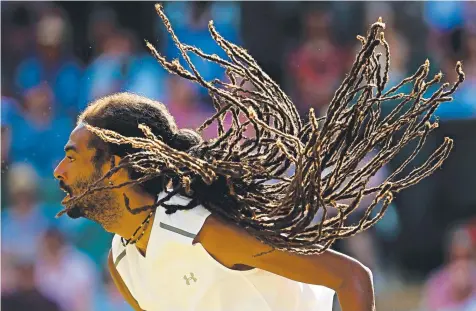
(70, 159)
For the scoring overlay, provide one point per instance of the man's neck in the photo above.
(130, 222)
(144, 240)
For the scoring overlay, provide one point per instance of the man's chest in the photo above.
(174, 281)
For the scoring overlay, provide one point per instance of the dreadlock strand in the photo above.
(235, 52)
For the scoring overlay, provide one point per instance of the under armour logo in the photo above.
(191, 278)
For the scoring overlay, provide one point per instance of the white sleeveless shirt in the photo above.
(177, 275)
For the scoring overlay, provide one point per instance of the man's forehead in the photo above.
(79, 138)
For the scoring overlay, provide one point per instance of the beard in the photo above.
(101, 206)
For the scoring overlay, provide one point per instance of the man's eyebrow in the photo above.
(70, 148)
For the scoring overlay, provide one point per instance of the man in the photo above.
(221, 224)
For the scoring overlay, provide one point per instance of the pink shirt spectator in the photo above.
(64, 274)
(453, 287)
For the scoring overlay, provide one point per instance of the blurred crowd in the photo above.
(49, 76)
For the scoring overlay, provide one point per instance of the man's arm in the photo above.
(231, 245)
(116, 277)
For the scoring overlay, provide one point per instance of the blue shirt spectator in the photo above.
(38, 135)
(22, 221)
(63, 77)
(190, 23)
(443, 15)
(118, 68)
(51, 64)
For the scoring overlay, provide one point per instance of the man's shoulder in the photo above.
(224, 241)
(222, 237)
(215, 228)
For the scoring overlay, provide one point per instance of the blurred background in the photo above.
(56, 57)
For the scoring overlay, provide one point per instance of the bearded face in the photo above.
(76, 173)
(101, 207)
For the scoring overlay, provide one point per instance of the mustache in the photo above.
(65, 187)
(74, 212)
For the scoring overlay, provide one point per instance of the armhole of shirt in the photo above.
(183, 226)
(117, 249)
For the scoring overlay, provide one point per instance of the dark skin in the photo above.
(230, 245)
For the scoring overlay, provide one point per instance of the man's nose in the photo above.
(59, 172)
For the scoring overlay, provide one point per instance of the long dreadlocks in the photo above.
(249, 174)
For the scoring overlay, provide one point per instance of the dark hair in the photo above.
(244, 178)
(122, 113)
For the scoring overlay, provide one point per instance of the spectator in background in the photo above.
(399, 47)
(10, 110)
(443, 19)
(260, 38)
(146, 77)
(108, 298)
(398, 70)
(52, 63)
(317, 65)
(453, 287)
(38, 140)
(38, 133)
(64, 274)
(470, 62)
(102, 25)
(184, 104)
(22, 221)
(463, 105)
(444, 16)
(399, 50)
(457, 42)
(468, 93)
(121, 67)
(26, 295)
(17, 37)
(190, 20)
(106, 74)
(119, 63)
(449, 22)
(189, 111)
(469, 15)
(5, 145)
(9, 277)
(8, 107)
